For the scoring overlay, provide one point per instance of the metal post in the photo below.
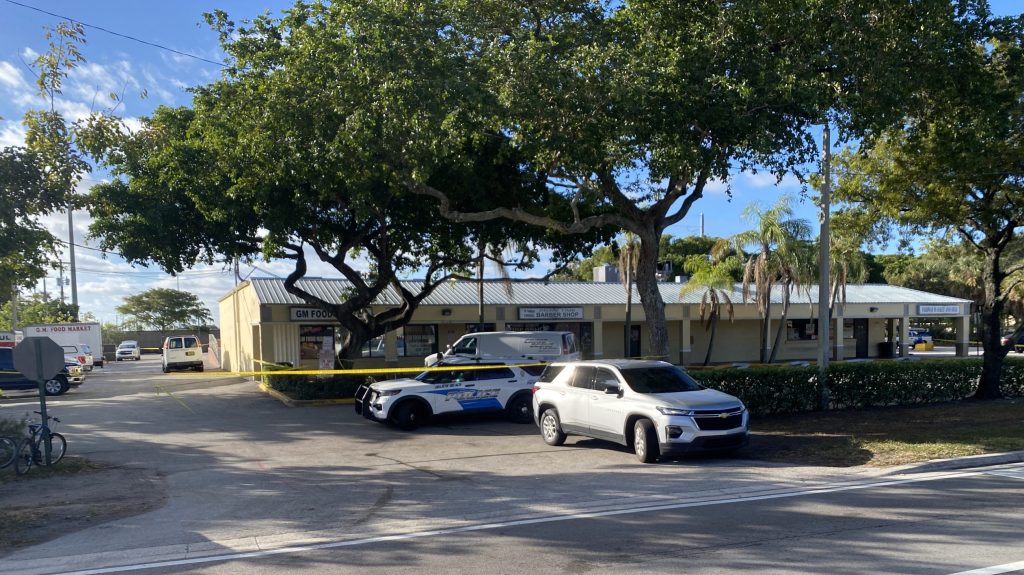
(629, 301)
(71, 252)
(47, 442)
(824, 312)
(14, 308)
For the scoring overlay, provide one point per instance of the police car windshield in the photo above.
(668, 379)
(433, 376)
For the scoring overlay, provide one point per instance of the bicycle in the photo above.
(32, 450)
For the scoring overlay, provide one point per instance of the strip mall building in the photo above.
(261, 322)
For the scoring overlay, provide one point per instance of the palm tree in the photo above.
(628, 259)
(795, 267)
(773, 241)
(715, 278)
(488, 252)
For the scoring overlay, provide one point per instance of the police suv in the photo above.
(464, 388)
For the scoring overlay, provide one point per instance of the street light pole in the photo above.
(824, 238)
(71, 252)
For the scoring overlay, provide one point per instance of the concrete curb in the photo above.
(303, 402)
(983, 460)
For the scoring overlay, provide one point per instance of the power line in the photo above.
(111, 32)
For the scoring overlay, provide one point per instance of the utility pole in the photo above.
(702, 224)
(71, 251)
(14, 308)
(60, 282)
(824, 238)
(629, 299)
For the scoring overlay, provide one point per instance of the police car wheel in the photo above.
(520, 409)
(409, 415)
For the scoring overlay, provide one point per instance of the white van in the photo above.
(182, 352)
(511, 346)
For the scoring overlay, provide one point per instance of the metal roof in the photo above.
(455, 293)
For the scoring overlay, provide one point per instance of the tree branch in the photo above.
(517, 214)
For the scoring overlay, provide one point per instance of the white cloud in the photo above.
(11, 78)
(12, 134)
(133, 124)
(766, 180)
(153, 86)
(716, 187)
(71, 110)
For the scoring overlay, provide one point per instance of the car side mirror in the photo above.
(612, 389)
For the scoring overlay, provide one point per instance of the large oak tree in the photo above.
(956, 169)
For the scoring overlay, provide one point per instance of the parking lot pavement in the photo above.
(240, 468)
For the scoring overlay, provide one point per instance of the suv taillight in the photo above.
(534, 388)
(81, 359)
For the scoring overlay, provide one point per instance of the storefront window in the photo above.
(418, 340)
(411, 340)
(801, 329)
(312, 339)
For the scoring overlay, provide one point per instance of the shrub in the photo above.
(785, 389)
(304, 387)
(13, 427)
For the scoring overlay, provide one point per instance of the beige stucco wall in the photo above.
(250, 332)
(239, 313)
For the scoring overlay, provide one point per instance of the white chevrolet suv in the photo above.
(652, 406)
(477, 388)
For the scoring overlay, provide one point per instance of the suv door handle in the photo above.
(469, 385)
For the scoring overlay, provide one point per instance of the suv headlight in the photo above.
(390, 392)
(674, 410)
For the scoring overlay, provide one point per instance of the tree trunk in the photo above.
(991, 310)
(352, 346)
(650, 296)
(778, 332)
(766, 327)
(711, 338)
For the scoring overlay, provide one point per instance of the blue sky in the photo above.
(118, 64)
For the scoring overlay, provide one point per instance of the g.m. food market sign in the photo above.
(309, 314)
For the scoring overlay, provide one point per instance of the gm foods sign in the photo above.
(310, 314)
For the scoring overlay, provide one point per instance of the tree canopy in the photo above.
(955, 169)
(284, 158)
(40, 309)
(162, 309)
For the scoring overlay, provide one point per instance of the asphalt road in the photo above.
(257, 487)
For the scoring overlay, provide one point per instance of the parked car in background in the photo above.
(920, 336)
(494, 346)
(57, 385)
(1016, 340)
(406, 403)
(182, 352)
(82, 352)
(128, 349)
(652, 406)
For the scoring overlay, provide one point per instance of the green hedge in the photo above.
(777, 389)
(303, 387)
(784, 389)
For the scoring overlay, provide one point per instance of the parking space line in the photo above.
(1007, 568)
(739, 498)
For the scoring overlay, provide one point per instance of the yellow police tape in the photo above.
(374, 371)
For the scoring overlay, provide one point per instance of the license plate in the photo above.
(190, 353)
